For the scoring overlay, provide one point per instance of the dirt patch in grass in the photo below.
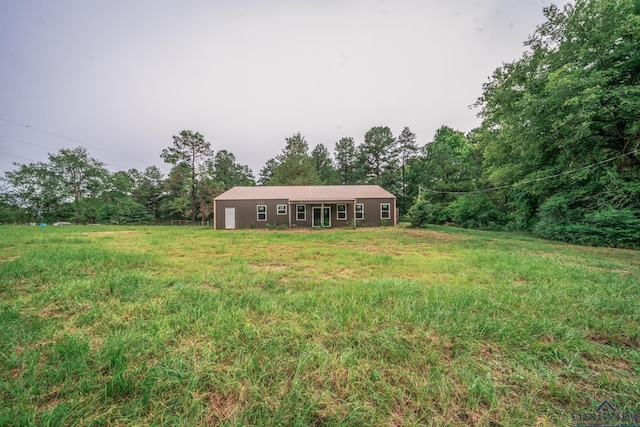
(609, 270)
(433, 235)
(345, 272)
(107, 233)
(269, 267)
(608, 365)
(222, 407)
(620, 340)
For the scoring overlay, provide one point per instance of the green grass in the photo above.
(394, 326)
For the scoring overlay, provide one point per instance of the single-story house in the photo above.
(305, 206)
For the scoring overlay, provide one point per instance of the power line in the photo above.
(46, 148)
(72, 140)
(18, 157)
(502, 187)
(23, 141)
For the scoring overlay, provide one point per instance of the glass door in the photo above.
(321, 217)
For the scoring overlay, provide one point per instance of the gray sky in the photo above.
(121, 77)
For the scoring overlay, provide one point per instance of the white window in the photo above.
(262, 212)
(301, 212)
(385, 210)
(359, 211)
(282, 209)
(342, 211)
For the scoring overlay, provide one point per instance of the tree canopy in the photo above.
(294, 165)
(569, 104)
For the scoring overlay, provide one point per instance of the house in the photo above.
(305, 206)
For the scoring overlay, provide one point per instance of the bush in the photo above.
(605, 227)
(476, 211)
(421, 213)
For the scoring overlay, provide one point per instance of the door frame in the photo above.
(323, 210)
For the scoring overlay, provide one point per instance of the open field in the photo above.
(165, 326)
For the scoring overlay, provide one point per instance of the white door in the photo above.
(229, 218)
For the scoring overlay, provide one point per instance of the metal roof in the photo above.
(307, 193)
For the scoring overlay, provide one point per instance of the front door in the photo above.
(322, 216)
(229, 218)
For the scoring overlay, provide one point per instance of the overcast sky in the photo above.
(121, 77)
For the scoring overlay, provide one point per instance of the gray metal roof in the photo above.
(307, 193)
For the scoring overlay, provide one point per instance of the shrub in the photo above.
(422, 212)
(607, 226)
(475, 211)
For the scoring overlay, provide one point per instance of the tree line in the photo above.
(76, 187)
(557, 153)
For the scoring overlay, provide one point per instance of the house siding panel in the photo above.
(246, 211)
(372, 216)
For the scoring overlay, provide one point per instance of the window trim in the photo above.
(282, 211)
(359, 216)
(263, 213)
(388, 211)
(304, 213)
(338, 217)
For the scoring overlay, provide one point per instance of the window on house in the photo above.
(385, 210)
(359, 211)
(262, 212)
(282, 209)
(301, 212)
(342, 211)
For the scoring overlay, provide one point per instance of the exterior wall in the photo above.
(372, 213)
(247, 214)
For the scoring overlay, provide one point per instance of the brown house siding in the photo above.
(372, 213)
(246, 214)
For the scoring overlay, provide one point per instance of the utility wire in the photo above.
(23, 141)
(46, 148)
(18, 157)
(502, 187)
(72, 140)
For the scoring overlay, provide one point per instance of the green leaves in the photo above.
(294, 166)
(570, 102)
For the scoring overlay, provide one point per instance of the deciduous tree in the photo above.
(570, 103)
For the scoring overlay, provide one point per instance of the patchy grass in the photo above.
(392, 326)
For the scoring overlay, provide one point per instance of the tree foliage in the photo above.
(73, 186)
(61, 188)
(324, 165)
(407, 150)
(188, 153)
(445, 168)
(378, 156)
(225, 172)
(294, 165)
(346, 159)
(148, 190)
(569, 104)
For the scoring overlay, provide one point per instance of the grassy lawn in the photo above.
(165, 326)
